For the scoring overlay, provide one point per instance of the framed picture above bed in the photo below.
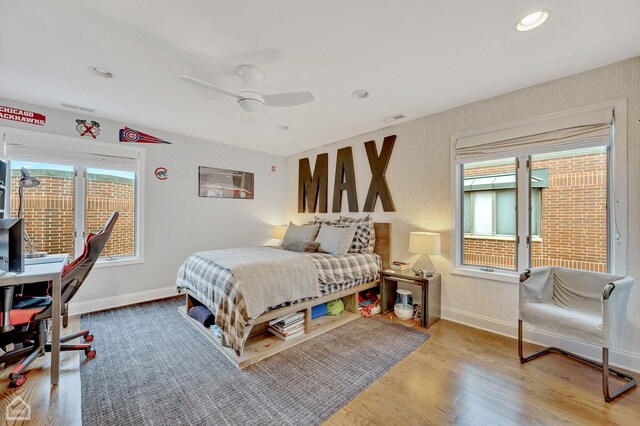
(223, 183)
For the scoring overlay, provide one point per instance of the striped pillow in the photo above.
(364, 239)
(320, 221)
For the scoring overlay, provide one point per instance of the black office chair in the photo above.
(29, 323)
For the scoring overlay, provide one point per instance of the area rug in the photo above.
(153, 368)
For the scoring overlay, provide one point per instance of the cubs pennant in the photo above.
(133, 136)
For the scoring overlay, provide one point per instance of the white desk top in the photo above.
(36, 272)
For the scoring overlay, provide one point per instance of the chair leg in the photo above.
(86, 347)
(18, 369)
(15, 354)
(610, 396)
(69, 337)
(604, 366)
(70, 347)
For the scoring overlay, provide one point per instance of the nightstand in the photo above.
(430, 293)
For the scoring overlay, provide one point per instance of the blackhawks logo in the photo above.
(88, 128)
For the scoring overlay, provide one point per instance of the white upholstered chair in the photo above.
(583, 305)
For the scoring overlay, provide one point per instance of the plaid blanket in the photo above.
(218, 289)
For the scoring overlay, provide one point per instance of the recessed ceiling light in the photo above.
(532, 20)
(360, 94)
(100, 71)
(283, 127)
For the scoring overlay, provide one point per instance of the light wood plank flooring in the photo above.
(468, 376)
(59, 405)
(461, 375)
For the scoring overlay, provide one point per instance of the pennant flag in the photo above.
(133, 136)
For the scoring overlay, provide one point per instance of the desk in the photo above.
(33, 273)
(430, 288)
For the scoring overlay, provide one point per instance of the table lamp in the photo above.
(279, 231)
(27, 181)
(424, 244)
(276, 236)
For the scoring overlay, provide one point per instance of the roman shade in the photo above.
(584, 130)
(48, 149)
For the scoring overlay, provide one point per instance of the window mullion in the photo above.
(80, 192)
(523, 184)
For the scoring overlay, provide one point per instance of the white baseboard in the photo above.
(618, 358)
(77, 308)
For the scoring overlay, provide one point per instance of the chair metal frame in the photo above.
(604, 365)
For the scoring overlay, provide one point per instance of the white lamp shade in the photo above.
(279, 231)
(424, 243)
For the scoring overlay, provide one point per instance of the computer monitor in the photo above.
(12, 245)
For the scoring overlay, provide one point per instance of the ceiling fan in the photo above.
(249, 97)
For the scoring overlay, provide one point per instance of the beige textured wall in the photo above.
(419, 174)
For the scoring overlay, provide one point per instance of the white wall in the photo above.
(419, 173)
(176, 222)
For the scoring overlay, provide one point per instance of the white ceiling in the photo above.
(416, 57)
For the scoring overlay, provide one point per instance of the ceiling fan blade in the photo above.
(288, 99)
(209, 86)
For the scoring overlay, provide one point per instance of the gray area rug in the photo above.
(154, 368)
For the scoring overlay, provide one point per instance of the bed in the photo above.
(244, 338)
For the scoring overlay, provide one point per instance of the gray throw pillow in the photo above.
(300, 233)
(335, 239)
(303, 246)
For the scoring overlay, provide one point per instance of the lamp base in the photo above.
(34, 254)
(424, 274)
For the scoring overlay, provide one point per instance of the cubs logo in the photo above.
(161, 173)
(91, 128)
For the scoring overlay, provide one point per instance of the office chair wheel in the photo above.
(18, 381)
(90, 353)
(88, 338)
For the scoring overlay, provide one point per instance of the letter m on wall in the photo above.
(312, 188)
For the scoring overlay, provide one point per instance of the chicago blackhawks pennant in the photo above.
(133, 136)
(22, 116)
(88, 128)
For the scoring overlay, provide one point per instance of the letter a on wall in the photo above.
(378, 164)
(312, 188)
(345, 181)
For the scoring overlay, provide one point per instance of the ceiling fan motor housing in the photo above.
(251, 101)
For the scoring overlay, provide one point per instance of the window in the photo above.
(548, 203)
(499, 204)
(80, 186)
(49, 213)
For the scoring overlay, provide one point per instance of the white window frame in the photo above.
(617, 197)
(98, 148)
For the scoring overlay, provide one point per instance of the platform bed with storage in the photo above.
(261, 343)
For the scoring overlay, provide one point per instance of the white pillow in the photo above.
(300, 233)
(335, 239)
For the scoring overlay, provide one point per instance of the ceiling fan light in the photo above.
(254, 106)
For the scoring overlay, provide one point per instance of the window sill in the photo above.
(507, 277)
(497, 237)
(104, 263)
(489, 237)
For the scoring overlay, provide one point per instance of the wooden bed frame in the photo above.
(262, 344)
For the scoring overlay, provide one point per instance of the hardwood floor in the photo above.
(49, 406)
(464, 375)
(461, 375)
